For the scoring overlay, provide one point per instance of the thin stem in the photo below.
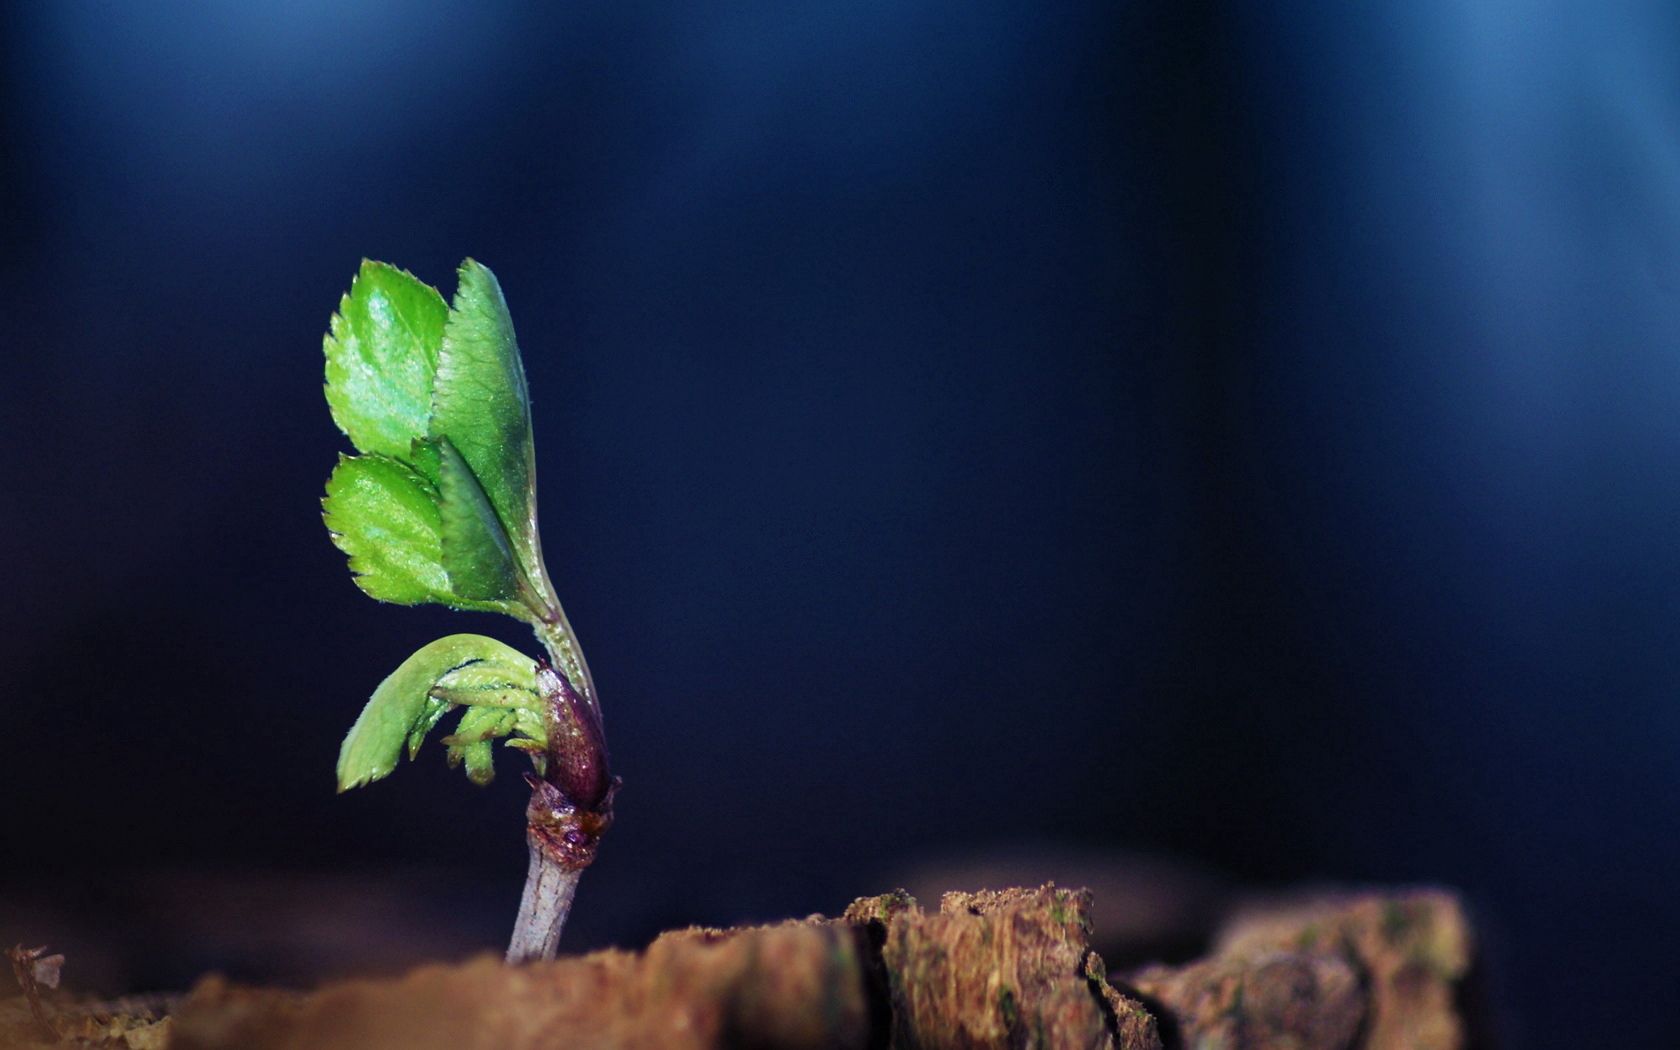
(556, 634)
(557, 862)
(566, 655)
(549, 889)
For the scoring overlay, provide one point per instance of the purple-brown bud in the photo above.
(571, 805)
(577, 749)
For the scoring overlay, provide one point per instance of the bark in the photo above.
(992, 969)
(1008, 969)
(1268, 1001)
(130, 1023)
(795, 985)
(1373, 971)
(1005, 969)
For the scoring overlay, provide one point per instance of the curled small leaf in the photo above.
(403, 709)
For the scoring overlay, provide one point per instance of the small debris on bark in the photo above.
(130, 1023)
(34, 969)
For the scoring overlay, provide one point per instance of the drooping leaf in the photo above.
(481, 723)
(480, 403)
(382, 351)
(523, 705)
(402, 702)
(476, 553)
(481, 768)
(471, 740)
(480, 727)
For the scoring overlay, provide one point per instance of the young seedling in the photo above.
(440, 506)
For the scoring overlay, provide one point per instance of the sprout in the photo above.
(439, 506)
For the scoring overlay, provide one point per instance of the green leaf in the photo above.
(480, 403)
(402, 703)
(488, 679)
(481, 723)
(430, 715)
(385, 517)
(480, 765)
(476, 554)
(506, 699)
(470, 743)
(423, 456)
(382, 351)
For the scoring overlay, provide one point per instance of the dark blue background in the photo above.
(1244, 431)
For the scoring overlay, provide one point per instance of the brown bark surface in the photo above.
(1373, 971)
(1006, 969)
(131, 1023)
(1010, 968)
(800, 984)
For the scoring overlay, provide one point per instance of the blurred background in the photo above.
(1229, 441)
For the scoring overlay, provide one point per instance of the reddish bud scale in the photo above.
(571, 805)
